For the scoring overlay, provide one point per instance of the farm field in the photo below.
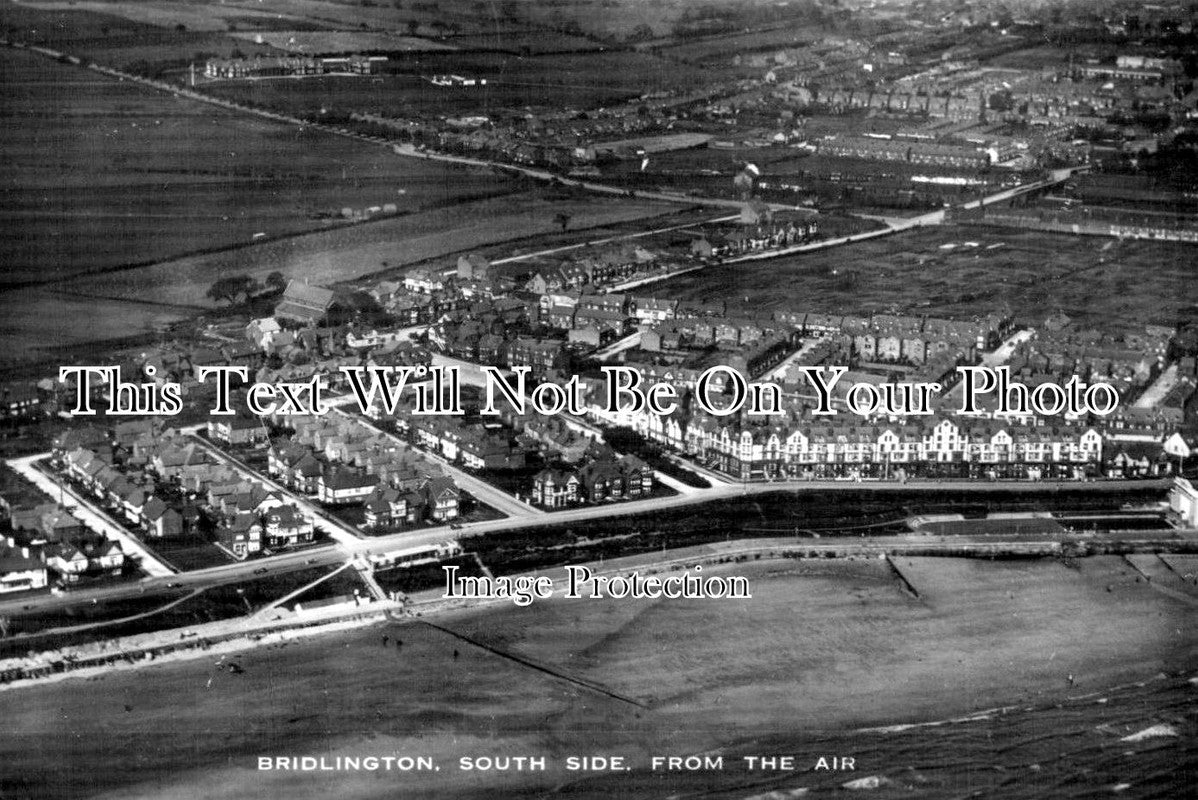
(937, 271)
(552, 82)
(349, 253)
(142, 300)
(820, 650)
(722, 48)
(608, 18)
(93, 32)
(314, 42)
(108, 174)
(37, 322)
(278, 14)
(193, 16)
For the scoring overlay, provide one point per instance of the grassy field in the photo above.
(96, 31)
(348, 253)
(107, 174)
(138, 302)
(936, 271)
(615, 18)
(552, 82)
(193, 16)
(248, 14)
(306, 42)
(822, 646)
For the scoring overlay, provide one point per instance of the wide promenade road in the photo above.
(285, 562)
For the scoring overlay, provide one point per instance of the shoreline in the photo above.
(241, 632)
(826, 647)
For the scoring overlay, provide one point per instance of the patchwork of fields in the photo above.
(552, 82)
(109, 174)
(131, 302)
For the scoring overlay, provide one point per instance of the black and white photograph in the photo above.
(613, 399)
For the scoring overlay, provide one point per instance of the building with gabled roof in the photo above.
(304, 303)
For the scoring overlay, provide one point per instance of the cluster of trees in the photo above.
(240, 288)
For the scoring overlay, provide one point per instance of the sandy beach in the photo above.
(823, 646)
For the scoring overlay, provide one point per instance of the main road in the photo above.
(347, 547)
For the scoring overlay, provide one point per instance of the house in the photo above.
(388, 507)
(612, 324)
(260, 332)
(88, 437)
(473, 267)
(57, 525)
(296, 466)
(20, 401)
(616, 303)
(305, 304)
(608, 478)
(652, 310)
(287, 526)
(1183, 501)
(105, 556)
(443, 496)
(160, 520)
(240, 535)
(555, 488)
(20, 570)
(237, 430)
(87, 554)
(341, 485)
(423, 280)
(68, 560)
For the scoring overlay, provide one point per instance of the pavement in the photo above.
(90, 514)
(627, 343)
(1002, 354)
(483, 491)
(898, 224)
(285, 562)
(1155, 393)
(611, 239)
(341, 532)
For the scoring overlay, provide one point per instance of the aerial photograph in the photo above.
(615, 399)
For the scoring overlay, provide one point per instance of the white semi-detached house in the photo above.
(20, 569)
(68, 561)
(342, 486)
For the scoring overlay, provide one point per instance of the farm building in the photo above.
(304, 303)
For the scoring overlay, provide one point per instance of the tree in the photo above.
(641, 33)
(413, 26)
(563, 219)
(230, 288)
(277, 281)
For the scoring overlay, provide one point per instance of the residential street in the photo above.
(90, 514)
